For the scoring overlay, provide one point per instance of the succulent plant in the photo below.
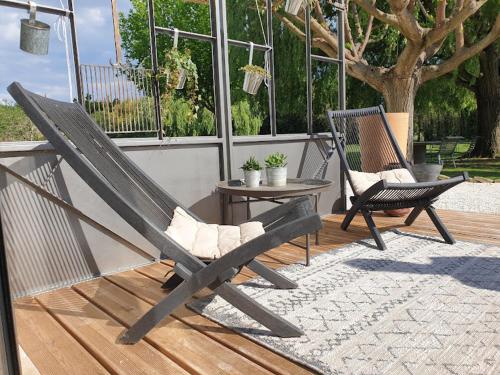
(276, 160)
(251, 164)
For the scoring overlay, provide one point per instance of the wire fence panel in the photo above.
(120, 99)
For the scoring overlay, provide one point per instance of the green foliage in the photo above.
(256, 69)
(246, 120)
(16, 126)
(251, 164)
(276, 160)
(179, 120)
(175, 62)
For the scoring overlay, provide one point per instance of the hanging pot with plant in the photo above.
(179, 68)
(252, 169)
(276, 169)
(293, 6)
(254, 75)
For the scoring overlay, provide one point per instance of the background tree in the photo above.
(415, 30)
(481, 75)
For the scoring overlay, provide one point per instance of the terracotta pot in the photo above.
(372, 137)
(399, 123)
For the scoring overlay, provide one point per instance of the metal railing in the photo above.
(120, 99)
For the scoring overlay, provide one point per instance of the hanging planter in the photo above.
(293, 6)
(182, 79)
(254, 75)
(180, 71)
(34, 34)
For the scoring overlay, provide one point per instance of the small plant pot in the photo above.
(293, 6)
(426, 172)
(182, 79)
(252, 179)
(276, 176)
(252, 82)
(34, 37)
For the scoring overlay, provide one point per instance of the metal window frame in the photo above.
(70, 14)
(8, 330)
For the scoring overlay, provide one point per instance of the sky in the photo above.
(47, 75)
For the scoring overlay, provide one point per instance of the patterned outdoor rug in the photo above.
(420, 307)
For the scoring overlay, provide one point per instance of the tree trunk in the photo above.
(399, 96)
(487, 91)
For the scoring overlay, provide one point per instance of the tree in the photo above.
(481, 75)
(409, 27)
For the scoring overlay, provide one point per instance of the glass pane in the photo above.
(189, 109)
(246, 20)
(325, 93)
(290, 80)
(250, 112)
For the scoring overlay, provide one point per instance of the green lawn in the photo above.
(489, 168)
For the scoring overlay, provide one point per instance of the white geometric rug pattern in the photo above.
(420, 307)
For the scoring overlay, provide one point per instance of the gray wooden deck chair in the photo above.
(149, 209)
(352, 131)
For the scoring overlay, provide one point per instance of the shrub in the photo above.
(245, 121)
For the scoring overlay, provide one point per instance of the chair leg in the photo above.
(276, 324)
(280, 281)
(373, 229)
(413, 215)
(348, 218)
(226, 290)
(431, 211)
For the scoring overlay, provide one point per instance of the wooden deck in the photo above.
(74, 330)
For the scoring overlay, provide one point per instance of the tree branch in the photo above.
(465, 53)
(371, 9)
(407, 22)
(459, 15)
(368, 33)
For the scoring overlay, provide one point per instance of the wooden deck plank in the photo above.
(192, 350)
(149, 290)
(98, 333)
(48, 345)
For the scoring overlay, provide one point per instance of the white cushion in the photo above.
(362, 181)
(210, 241)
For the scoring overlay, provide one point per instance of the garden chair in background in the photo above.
(446, 152)
(149, 209)
(379, 175)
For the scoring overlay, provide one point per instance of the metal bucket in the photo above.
(293, 6)
(252, 82)
(182, 79)
(34, 34)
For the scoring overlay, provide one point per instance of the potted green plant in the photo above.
(252, 169)
(254, 75)
(276, 169)
(179, 68)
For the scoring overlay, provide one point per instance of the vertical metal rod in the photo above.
(154, 67)
(76, 57)
(272, 86)
(307, 26)
(8, 331)
(341, 57)
(342, 89)
(224, 86)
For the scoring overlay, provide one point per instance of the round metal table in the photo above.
(295, 187)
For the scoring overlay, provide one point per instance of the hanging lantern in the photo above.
(34, 34)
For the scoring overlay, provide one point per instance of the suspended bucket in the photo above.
(34, 34)
(182, 79)
(252, 82)
(293, 6)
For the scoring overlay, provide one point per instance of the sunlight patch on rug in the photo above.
(421, 306)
